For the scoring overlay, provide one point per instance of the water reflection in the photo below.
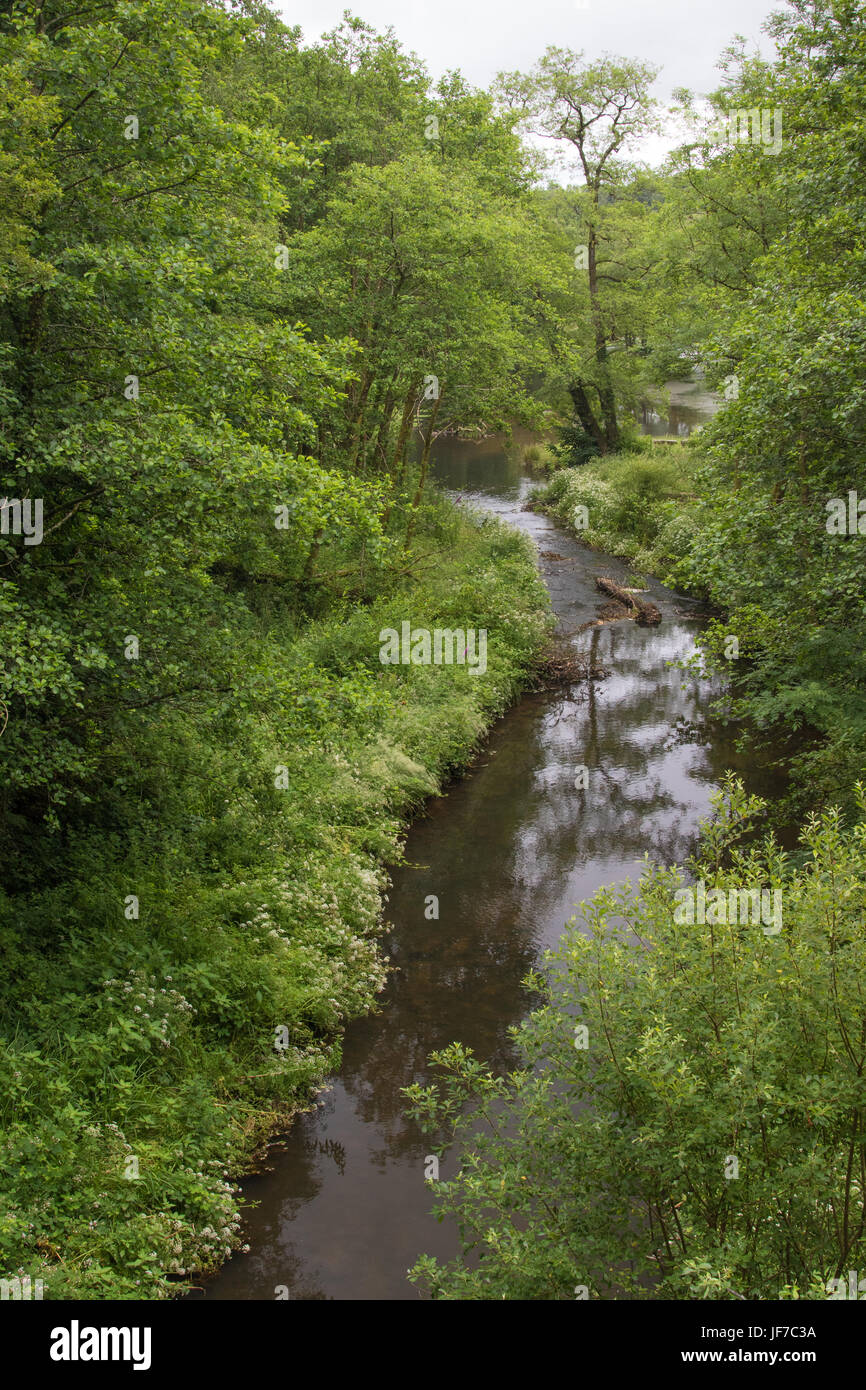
(691, 406)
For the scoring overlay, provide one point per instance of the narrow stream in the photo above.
(509, 851)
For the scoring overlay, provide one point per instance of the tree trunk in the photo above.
(606, 397)
(405, 424)
(311, 556)
(422, 478)
(366, 383)
(585, 414)
(384, 424)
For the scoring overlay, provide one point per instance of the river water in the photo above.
(343, 1210)
(689, 406)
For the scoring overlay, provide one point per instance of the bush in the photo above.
(687, 1119)
(539, 457)
(575, 446)
(633, 502)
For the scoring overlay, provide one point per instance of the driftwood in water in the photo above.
(560, 664)
(646, 614)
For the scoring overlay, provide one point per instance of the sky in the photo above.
(482, 37)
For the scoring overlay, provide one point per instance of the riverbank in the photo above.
(637, 505)
(661, 509)
(740, 1022)
(180, 994)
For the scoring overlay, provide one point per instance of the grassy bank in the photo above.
(638, 505)
(180, 988)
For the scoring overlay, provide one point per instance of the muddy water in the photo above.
(509, 851)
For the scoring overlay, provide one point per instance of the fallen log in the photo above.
(645, 614)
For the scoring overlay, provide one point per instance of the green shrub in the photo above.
(575, 446)
(687, 1118)
(538, 456)
(630, 500)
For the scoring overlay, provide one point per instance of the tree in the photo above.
(793, 440)
(423, 269)
(158, 405)
(598, 110)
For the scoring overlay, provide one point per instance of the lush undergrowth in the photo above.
(638, 505)
(184, 986)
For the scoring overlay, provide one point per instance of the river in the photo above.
(342, 1209)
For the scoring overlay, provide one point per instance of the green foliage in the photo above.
(607, 1169)
(588, 305)
(791, 328)
(575, 447)
(539, 457)
(244, 286)
(226, 265)
(762, 263)
(637, 505)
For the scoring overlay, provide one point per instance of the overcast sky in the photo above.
(482, 37)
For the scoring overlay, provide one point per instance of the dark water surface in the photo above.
(509, 851)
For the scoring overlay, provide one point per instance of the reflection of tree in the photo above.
(499, 850)
(465, 465)
(271, 1199)
(332, 1148)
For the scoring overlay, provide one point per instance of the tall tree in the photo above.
(597, 110)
